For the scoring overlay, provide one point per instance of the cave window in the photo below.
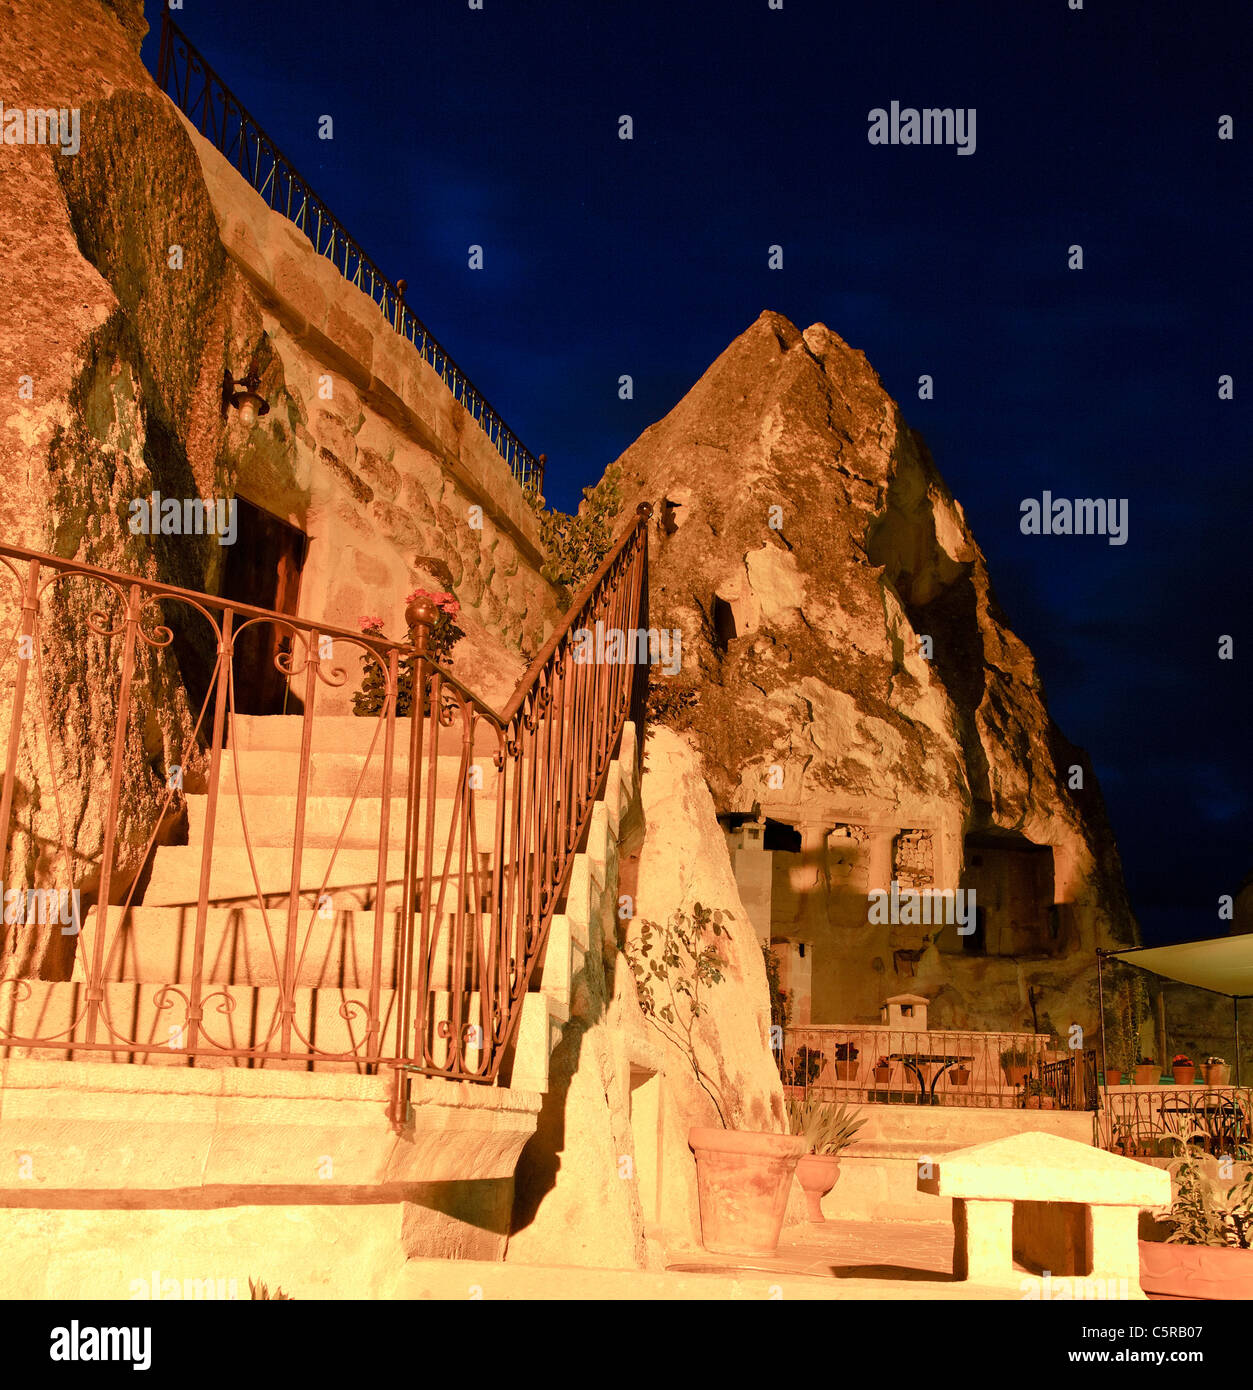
(724, 623)
(782, 837)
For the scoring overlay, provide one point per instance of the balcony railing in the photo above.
(954, 1067)
(1152, 1121)
(396, 922)
(201, 95)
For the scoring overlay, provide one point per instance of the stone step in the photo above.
(330, 820)
(269, 772)
(345, 733)
(348, 878)
(246, 1016)
(156, 945)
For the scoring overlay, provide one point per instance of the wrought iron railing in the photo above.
(1151, 1121)
(187, 79)
(956, 1067)
(385, 905)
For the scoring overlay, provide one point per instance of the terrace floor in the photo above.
(838, 1260)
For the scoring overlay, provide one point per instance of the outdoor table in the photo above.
(915, 1061)
(1225, 1115)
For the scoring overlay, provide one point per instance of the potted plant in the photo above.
(1147, 1072)
(1039, 1095)
(846, 1061)
(1183, 1069)
(1016, 1063)
(882, 1072)
(1209, 1252)
(1215, 1072)
(1113, 1078)
(442, 636)
(803, 1068)
(959, 1075)
(827, 1131)
(742, 1176)
(1127, 1008)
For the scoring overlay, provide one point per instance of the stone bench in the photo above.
(1059, 1207)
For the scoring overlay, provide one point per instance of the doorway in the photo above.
(263, 569)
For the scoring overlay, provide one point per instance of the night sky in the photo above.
(1096, 127)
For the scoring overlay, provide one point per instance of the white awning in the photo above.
(1223, 964)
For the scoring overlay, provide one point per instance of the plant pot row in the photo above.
(1216, 1075)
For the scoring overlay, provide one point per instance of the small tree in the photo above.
(1126, 1009)
(673, 994)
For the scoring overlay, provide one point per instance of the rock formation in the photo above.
(856, 684)
(124, 297)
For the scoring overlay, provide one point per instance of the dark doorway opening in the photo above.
(263, 569)
(976, 944)
(780, 836)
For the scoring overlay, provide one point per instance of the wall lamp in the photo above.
(245, 395)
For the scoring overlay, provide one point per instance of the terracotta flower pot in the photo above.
(1147, 1074)
(882, 1076)
(742, 1180)
(1114, 1078)
(817, 1174)
(1195, 1271)
(1184, 1076)
(959, 1076)
(846, 1071)
(1217, 1074)
(1016, 1075)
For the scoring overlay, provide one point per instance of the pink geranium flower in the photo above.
(445, 602)
(370, 624)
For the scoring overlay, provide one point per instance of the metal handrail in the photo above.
(222, 119)
(449, 964)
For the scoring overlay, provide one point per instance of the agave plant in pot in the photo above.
(827, 1131)
(742, 1176)
(1016, 1063)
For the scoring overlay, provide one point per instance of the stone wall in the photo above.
(133, 275)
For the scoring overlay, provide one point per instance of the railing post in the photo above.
(373, 1024)
(95, 986)
(421, 617)
(195, 1011)
(287, 994)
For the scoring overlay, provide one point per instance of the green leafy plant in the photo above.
(675, 966)
(1015, 1057)
(826, 1128)
(1126, 1009)
(1203, 1212)
(803, 1067)
(576, 544)
(442, 638)
(780, 1003)
(260, 1290)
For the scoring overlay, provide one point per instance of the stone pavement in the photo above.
(838, 1260)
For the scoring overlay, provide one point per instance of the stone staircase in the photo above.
(249, 890)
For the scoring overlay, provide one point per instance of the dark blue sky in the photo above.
(602, 257)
